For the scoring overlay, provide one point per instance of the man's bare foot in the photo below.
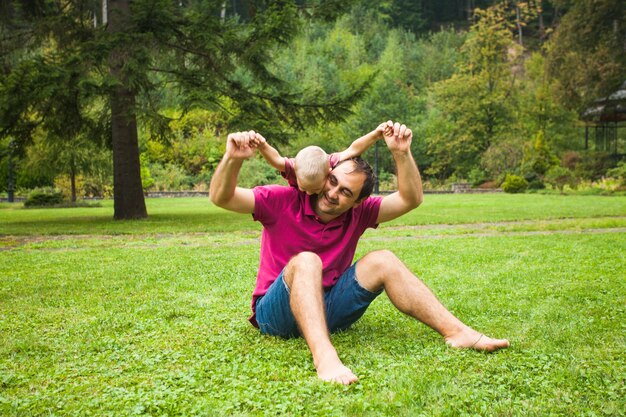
(471, 339)
(332, 370)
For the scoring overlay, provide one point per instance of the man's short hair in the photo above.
(360, 166)
(311, 163)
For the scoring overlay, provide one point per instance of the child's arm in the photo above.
(361, 144)
(270, 154)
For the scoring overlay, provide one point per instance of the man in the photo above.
(305, 285)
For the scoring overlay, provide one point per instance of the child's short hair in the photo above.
(311, 163)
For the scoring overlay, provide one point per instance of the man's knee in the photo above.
(380, 261)
(375, 267)
(303, 264)
(305, 260)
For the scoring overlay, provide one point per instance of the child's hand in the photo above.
(257, 141)
(385, 129)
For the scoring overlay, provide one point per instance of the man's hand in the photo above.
(240, 145)
(398, 138)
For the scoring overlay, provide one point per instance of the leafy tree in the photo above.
(13, 163)
(72, 158)
(586, 52)
(540, 111)
(476, 102)
(221, 63)
(538, 158)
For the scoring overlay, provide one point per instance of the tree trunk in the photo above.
(518, 23)
(128, 196)
(73, 181)
(542, 27)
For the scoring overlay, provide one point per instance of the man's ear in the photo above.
(356, 203)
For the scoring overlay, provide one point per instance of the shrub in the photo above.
(538, 157)
(44, 199)
(514, 184)
(477, 176)
(256, 171)
(594, 165)
(560, 177)
(570, 159)
(619, 172)
(536, 184)
(387, 181)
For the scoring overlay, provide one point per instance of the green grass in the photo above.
(149, 317)
(197, 215)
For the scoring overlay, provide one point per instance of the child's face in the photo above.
(311, 187)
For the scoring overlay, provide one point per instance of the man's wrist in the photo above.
(399, 155)
(233, 160)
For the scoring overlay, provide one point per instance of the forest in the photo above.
(117, 98)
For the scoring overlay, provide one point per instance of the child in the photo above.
(308, 170)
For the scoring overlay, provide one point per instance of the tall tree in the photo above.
(473, 108)
(219, 63)
(127, 187)
(587, 52)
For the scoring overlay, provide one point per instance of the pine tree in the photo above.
(61, 61)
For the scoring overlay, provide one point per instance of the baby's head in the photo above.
(311, 167)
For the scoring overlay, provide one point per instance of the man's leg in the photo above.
(303, 276)
(382, 269)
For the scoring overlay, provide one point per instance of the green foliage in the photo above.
(539, 110)
(559, 177)
(64, 69)
(146, 176)
(586, 53)
(502, 157)
(185, 158)
(168, 177)
(475, 102)
(514, 184)
(256, 171)
(536, 184)
(618, 172)
(538, 158)
(594, 165)
(477, 176)
(44, 198)
(475, 99)
(69, 157)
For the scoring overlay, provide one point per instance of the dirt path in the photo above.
(9, 242)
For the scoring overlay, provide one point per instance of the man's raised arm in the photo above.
(409, 194)
(223, 190)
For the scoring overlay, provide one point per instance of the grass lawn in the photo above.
(149, 317)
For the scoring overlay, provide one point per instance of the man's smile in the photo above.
(330, 201)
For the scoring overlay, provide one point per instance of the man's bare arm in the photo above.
(409, 194)
(360, 145)
(223, 190)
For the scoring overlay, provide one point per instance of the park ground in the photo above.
(149, 317)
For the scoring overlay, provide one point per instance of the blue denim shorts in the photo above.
(345, 303)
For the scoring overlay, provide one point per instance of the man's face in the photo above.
(341, 190)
